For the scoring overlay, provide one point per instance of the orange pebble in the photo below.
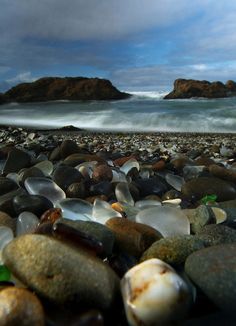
(51, 215)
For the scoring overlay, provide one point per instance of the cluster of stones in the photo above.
(96, 232)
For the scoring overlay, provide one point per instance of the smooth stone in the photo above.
(131, 237)
(7, 185)
(169, 221)
(68, 147)
(51, 215)
(192, 171)
(7, 220)
(123, 194)
(215, 234)
(86, 168)
(159, 165)
(6, 201)
(20, 307)
(118, 176)
(151, 186)
(202, 186)
(122, 160)
(64, 176)
(213, 271)
(220, 214)
(14, 177)
(77, 190)
(129, 165)
(102, 172)
(35, 204)
(94, 229)
(29, 172)
(76, 159)
(205, 161)
(180, 162)
(16, 160)
(6, 236)
(222, 173)
(26, 222)
(45, 187)
(154, 294)
(147, 203)
(45, 166)
(101, 188)
(76, 209)
(199, 217)
(102, 211)
(175, 181)
(61, 273)
(173, 250)
(171, 194)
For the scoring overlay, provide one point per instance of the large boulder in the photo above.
(188, 88)
(68, 88)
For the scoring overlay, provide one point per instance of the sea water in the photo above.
(143, 112)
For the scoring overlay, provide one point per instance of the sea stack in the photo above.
(188, 88)
(67, 88)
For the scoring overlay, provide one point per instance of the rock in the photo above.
(76, 159)
(30, 172)
(215, 234)
(202, 160)
(68, 88)
(187, 88)
(67, 148)
(222, 173)
(101, 188)
(131, 237)
(77, 190)
(102, 172)
(20, 307)
(199, 217)
(94, 229)
(35, 204)
(159, 165)
(213, 266)
(64, 176)
(173, 250)
(6, 236)
(60, 272)
(2, 99)
(6, 220)
(7, 185)
(199, 187)
(151, 186)
(6, 201)
(154, 294)
(16, 160)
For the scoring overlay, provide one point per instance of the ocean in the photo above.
(143, 112)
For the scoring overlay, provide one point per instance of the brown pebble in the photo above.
(222, 172)
(159, 165)
(92, 199)
(122, 160)
(102, 172)
(7, 220)
(51, 215)
(20, 307)
(204, 161)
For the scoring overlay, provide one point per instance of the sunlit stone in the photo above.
(175, 181)
(123, 194)
(6, 235)
(45, 166)
(169, 221)
(44, 187)
(220, 214)
(86, 168)
(154, 294)
(172, 202)
(130, 164)
(26, 223)
(118, 176)
(102, 211)
(76, 209)
(147, 203)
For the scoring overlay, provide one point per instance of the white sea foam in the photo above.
(149, 95)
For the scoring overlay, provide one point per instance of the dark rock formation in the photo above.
(2, 98)
(187, 88)
(68, 88)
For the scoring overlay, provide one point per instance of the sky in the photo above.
(139, 45)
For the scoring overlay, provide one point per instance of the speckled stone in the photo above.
(199, 217)
(20, 307)
(60, 272)
(173, 250)
(199, 187)
(132, 237)
(214, 234)
(213, 270)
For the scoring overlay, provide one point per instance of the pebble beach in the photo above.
(117, 228)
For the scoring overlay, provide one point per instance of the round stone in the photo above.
(7, 185)
(16, 160)
(20, 307)
(102, 173)
(68, 147)
(214, 234)
(35, 204)
(64, 176)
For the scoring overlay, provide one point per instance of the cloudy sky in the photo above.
(137, 44)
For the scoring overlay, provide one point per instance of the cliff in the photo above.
(188, 88)
(68, 88)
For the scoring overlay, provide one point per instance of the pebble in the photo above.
(61, 273)
(215, 234)
(35, 204)
(7, 185)
(7, 220)
(102, 172)
(213, 266)
(64, 176)
(16, 160)
(199, 217)
(131, 237)
(20, 307)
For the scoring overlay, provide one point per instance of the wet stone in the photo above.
(6, 201)
(30, 172)
(213, 266)
(67, 148)
(26, 222)
(64, 176)
(7, 185)
(61, 273)
(20, 307)
(51, 215)
(6, 236)
(7, 220)
(35, 204)
(102, 172)
(77, 190)
(173, 250)
(131, 237)
(16, 160)
(151, 186)
(101, 188)
(200, 217)
(222, 173)
(199, 187)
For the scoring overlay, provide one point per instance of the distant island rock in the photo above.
(67, 88)
(188, 88)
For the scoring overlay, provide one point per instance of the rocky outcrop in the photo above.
(188, 88)
(2, 99)
(68, 88)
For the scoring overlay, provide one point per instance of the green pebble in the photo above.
(5, 274)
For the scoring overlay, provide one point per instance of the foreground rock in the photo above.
(215, 266)
(68, 88)
(61, 273)
(187, 88)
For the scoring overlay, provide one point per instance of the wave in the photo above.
(154, 95)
